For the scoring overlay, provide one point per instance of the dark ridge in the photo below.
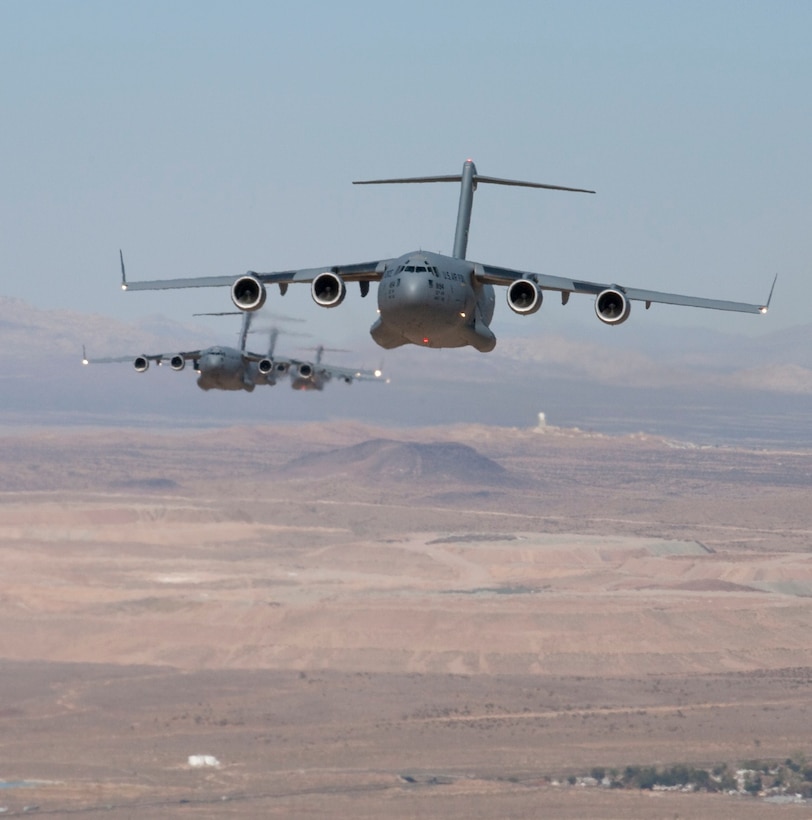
(146, 484)
(385, 460)
(474, 496)
(472, 537)
(705, 585)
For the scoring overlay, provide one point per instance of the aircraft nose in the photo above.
(210, 360)
(412, 301)
(413, 290)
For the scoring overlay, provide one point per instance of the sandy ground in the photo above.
(344, 640)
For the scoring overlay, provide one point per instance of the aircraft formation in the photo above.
(228, 368)
(423, 298)
(439, 301)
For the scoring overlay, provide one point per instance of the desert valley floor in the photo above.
(340, 620)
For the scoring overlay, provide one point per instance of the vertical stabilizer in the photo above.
(467, 188)
(272, 342)
(246, 325)
(468, 179)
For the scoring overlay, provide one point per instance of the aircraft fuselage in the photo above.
(433, 300)
(225, 368)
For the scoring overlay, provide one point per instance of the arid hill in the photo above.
(386, 460)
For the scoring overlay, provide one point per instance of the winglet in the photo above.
(766, 307)
(123, 274)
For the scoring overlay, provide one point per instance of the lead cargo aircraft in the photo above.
(227, 368)
(433, 300)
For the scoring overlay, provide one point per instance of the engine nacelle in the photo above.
(612, 307)
(141, 363)
(304, 370)
(248, 293)
(267, 369)
(328, 289)
(177, 362)
(524, 297)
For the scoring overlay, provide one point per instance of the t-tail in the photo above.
(469, 179)
(245, 329)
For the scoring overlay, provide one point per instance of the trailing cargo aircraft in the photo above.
(229, 368)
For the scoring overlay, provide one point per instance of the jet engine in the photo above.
(265, 366)
(141, 363)
(612, 307)
(304, 370)
(177, 362)
(328, 289)
(524, 296)
(248, 293)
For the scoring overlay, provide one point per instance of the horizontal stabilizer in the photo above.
(452, 178)
(477, 178)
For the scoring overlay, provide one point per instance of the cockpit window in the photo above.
(425, 268)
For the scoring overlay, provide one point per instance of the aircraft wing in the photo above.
(349, 374)
(355, 272)
(105, 359)
(494, 275)
(157, 358)
(258, 357)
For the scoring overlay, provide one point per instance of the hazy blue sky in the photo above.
(212, 137)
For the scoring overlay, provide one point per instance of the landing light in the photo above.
(378, 374)
(462, 314)
(124, 287)
(762, 310)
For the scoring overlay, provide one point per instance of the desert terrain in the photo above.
(328, 620)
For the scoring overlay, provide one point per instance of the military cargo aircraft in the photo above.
(229, 368)
(314, 375)
(433, 300)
